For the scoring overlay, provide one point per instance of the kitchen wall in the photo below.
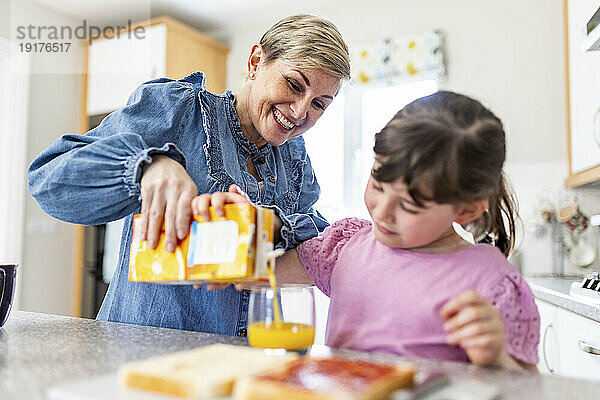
(4, 20)
(507, 54)
(49, 255)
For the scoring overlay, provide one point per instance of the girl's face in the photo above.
(285, 101)
(399, 223)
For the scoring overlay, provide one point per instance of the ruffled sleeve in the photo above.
(513, 298)
(95, 178)
(320, 254)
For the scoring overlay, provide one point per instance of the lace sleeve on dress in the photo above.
(514, 299)
(319, 255)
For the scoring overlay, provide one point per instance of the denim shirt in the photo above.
(95, 178)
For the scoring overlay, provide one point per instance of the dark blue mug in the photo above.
(8, 279)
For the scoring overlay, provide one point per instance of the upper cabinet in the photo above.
(162, 47)
(583, 78)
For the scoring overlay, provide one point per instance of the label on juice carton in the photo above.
(219, 255)
(213, 242)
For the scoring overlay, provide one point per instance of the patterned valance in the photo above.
(410, 57)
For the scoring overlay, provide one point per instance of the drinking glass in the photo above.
(282, 318)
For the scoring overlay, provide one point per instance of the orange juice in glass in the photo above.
(283, 318)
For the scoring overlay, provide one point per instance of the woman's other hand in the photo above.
(475, 325)
(167, 193)
(217, 200)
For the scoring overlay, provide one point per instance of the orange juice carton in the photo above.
(235, 248)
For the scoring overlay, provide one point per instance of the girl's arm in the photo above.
(475, 325)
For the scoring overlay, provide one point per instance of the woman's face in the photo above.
(284, 101)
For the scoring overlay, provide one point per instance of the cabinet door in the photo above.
(578, 337)
(117, 66)
(584, 81)
(548, 347)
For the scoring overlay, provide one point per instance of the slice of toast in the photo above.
(208, 371)
(325, 379)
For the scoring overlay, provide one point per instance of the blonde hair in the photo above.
(310, 42)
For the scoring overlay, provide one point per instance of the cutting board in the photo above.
(436, 387)
(104, 387)
(107, 387)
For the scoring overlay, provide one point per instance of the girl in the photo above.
(406, 282)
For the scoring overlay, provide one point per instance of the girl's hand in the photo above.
(475, 325)
(167, 193)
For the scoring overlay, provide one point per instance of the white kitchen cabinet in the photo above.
(578, 337)
(584, 96)
(117, 66)
(162, 47)
(562, 333)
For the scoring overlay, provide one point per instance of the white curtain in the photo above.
(14, 99)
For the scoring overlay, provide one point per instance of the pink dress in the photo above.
(389, 300)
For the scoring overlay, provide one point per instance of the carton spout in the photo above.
(275, 254)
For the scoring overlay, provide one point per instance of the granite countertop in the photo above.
(38, 351)
(557, 291)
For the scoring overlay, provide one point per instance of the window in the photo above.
(14, 81)
(340, 145)
(325, 144)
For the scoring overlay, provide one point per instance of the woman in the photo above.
(175, 140)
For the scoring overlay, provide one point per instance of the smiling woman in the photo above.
(175, 140)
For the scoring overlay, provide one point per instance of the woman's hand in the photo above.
(475, 325)
(167, 192)
(217, 200)
(200, 206)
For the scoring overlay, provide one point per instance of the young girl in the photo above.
(406, 282)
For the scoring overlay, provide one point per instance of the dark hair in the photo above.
(449, 148)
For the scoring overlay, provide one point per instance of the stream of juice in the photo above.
(273, 283)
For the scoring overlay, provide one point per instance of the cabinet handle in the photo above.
(596, 125)
(588, 348)
(550, 369)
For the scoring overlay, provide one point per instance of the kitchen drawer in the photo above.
(574, 332)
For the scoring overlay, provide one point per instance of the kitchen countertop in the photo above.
(556, 291)
(40, 350)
